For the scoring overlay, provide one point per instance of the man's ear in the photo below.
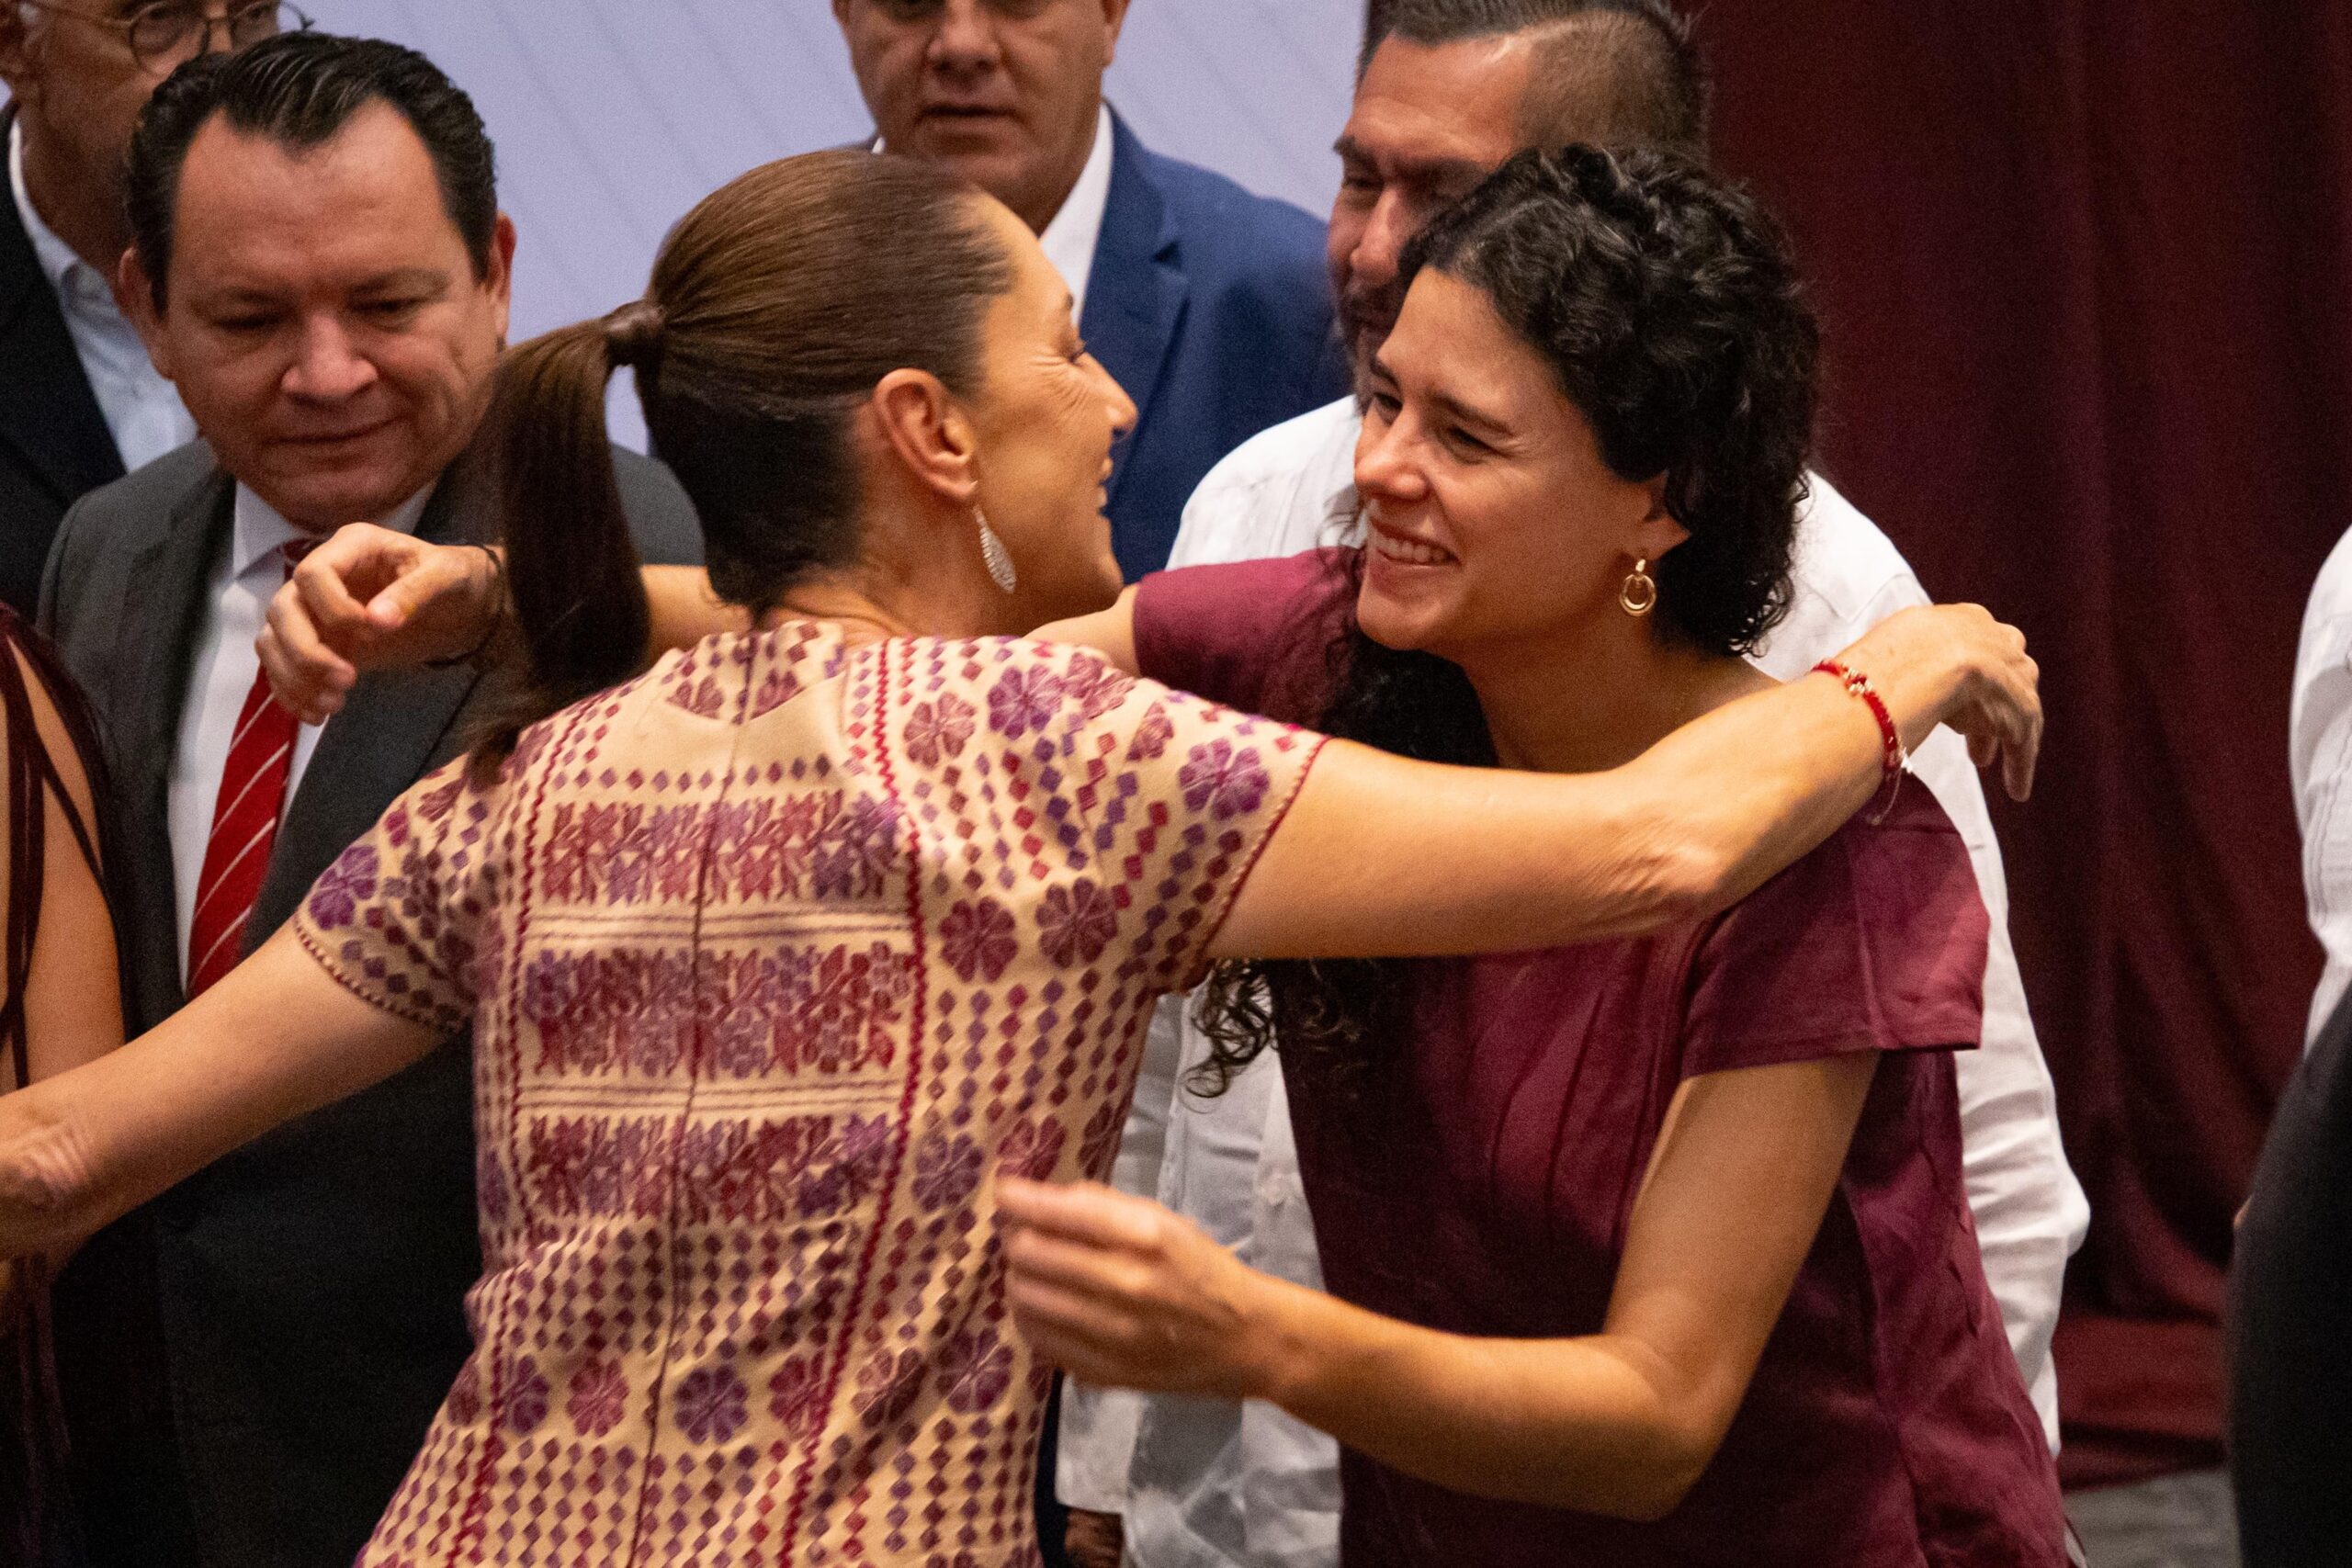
(134, 295)
(1115, 18)
(928, 431)
(500, 278)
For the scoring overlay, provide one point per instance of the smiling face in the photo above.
(1004, 92)
(325, 324)
(1492, 521)
(1044, 419)
(1429, 123)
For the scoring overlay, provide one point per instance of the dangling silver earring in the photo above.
(995, 556)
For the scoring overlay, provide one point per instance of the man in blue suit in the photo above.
(1211, 306)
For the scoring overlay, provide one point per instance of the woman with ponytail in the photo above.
(787, 957)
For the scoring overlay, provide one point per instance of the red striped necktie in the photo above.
(245, 825)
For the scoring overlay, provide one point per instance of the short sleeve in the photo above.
(397, 919)
(1876, 942)
(1084, 819)
(1256, 636)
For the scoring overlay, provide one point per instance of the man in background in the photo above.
(1447, 90)
(250, 1363)
(79, 404)
(1208, 304)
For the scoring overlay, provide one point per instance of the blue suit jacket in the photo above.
(1213, 309)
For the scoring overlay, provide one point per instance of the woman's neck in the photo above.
(1598, 696)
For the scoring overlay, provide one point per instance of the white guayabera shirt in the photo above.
(2321, 762)
(1204, 1483)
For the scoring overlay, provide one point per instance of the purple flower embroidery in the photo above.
(796, 1398)
(1095, 686)
(977, 940)
(941, 730)
(1032, 1149)
(977, 1369)
(711, 1404)
(348, 883)
(1226, 782)
(945, 1172)
(887, 1388)
(523, 1401)
(598, 1396)
(1152, 735)
(1076, 923)
(1026, 699)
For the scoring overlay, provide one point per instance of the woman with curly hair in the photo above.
(1648, 1251)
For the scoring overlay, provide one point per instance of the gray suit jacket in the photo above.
(253, 1360)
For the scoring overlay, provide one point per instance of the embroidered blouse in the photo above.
(776, 957)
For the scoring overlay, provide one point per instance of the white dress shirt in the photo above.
(243, 582)
(1071, 239)
(1204, 1485)
(2321, 760)
(143, 409)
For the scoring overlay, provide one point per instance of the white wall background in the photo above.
(614, 116)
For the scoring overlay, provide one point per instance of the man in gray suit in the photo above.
(320, 267)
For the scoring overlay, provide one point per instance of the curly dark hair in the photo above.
(1665, 303)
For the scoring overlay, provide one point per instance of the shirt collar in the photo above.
(1069, 240)
(260, 528)
(58, 260)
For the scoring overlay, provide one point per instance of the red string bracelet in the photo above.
(1894, 756)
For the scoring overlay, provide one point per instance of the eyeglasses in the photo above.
(160, 32)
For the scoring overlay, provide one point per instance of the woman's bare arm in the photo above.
(1382, 856)
(74, 995)
(1120, 1292)
(277, 1038)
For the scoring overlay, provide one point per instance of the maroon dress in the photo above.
(1887, 1423)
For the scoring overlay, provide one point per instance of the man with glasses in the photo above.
(79, 404)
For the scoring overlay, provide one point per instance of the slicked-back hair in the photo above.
(1619, 74)
(301, 90)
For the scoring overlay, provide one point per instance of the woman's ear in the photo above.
(927, 429)
(1658, 532)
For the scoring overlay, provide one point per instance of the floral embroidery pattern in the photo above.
(888, 1387)
(598, 1396)
(1033, 1148)
(522, 1397)
(348, 883)
(796, 1397)
(1025, 698)
(818, 845)
(947, 1170)
(1076, 923)
(975, 1369)
(939, 730)
(764, 1000)
(977, 940)
(1228, 782)
(711, 1404)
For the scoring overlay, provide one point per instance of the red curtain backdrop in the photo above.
(2082, 265)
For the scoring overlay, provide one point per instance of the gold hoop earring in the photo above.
(1639, 596)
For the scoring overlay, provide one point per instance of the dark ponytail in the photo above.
(572, 565)
(776, 306)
